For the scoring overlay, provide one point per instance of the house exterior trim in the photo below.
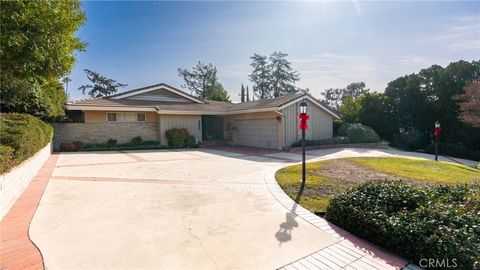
(153, 88)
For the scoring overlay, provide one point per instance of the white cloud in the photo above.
(463, 33)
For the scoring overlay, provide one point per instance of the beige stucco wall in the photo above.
(320, 124)
(230, 132)
(191, 122)
(101, 116)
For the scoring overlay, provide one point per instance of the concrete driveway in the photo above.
(198, 209)
(189, 209)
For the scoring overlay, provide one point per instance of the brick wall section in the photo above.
(88, 133)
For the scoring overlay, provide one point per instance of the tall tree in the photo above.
(283, 77)
(260, 76)
(219, 93)
(38, 45)
(419, 99)
(350, 109)
(201, 80)
(332, 97)
(470, 104)
(248, 95)
(356, 89)
(101, 86)
(242, 94)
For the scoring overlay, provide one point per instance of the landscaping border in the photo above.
(347, 145)
(13, 183)
(348, 251)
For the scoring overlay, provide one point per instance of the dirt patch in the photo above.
(345, 170)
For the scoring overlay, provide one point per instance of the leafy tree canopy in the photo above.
(37, 48)
(333, 97)
(273, 77)
(101, 86)
(219, 94)
(470, 104)
(201, 80)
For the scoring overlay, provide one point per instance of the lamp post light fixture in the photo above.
(303, 117)
(436, 134)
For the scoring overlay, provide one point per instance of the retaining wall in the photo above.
(13, 183)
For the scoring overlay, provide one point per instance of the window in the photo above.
(126, 117)
(111, 117)
(141, 117)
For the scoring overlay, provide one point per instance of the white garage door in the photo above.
(257, 132)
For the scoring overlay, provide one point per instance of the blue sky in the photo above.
(330, 43)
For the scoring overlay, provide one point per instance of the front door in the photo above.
(212, 127)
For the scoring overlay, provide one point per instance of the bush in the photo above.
(136, 141)
(177, 137)
(111, 143)
(71, 147)
(191, 142)
(334, 140)
(416, 222)
(23, 133)
(7, 160)
(454, 150)
(411, 139)
(358, 133)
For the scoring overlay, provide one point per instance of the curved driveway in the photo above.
(192, 209)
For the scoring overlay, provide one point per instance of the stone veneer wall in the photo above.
(88, 133)
(13, 183)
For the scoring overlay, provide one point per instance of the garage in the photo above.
(257, 132)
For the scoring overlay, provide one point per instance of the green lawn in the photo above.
(330, 177)
(419, 169)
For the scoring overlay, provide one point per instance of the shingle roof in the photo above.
(207, 106)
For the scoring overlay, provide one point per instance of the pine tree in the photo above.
(242, 94)
(283, 76)
(260, 76)
(248, 97)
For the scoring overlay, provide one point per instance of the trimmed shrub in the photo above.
(358, 133)
(177, 137)
(191, 142)
(454, 150)
(25, 134)
(136, 141)
(411, 139)
(111, 143)
(416, 222)
(71, 147)
(334, 140)
(7, 160)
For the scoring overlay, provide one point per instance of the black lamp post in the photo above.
(437, 133)
(303, 111)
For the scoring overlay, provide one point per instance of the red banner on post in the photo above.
(303, 121)
(437, 131)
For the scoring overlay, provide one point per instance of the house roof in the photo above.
(116, 102)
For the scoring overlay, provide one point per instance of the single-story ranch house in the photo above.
(150, 111)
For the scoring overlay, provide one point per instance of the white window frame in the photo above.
(132, 113)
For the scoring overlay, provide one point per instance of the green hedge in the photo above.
(411, 139)
(440, 222)
(454, 150)
(21, 136)
(334, 140)
(358, 133)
